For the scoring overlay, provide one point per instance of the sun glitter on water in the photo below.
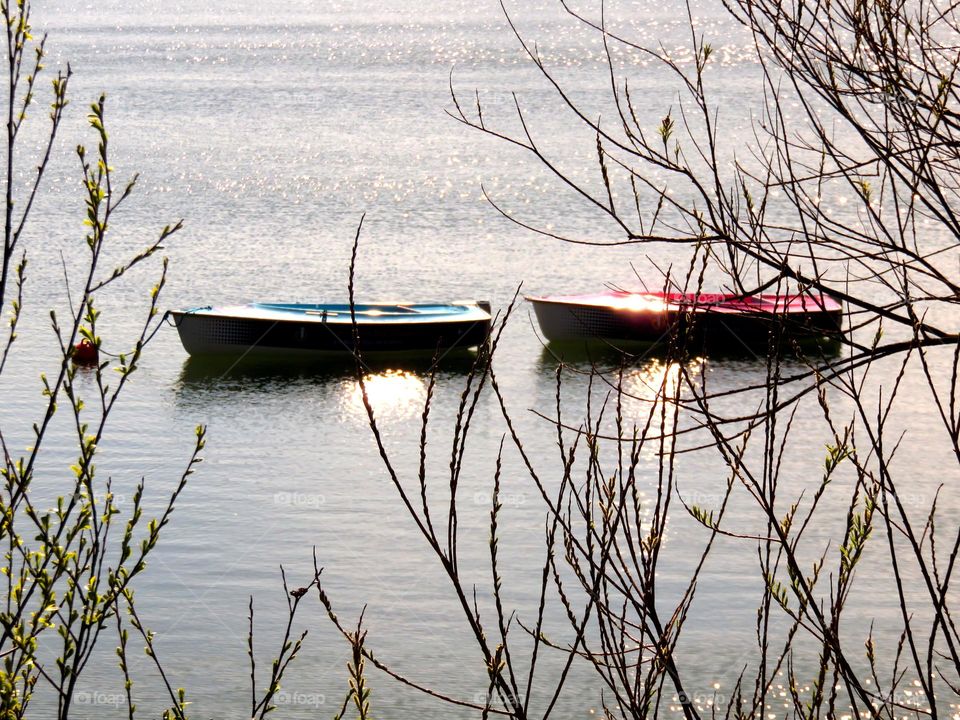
(393, 395)
(654, 388)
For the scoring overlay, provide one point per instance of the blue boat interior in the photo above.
(369, 309)
(340, 312)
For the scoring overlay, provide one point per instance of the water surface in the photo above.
(271, 131)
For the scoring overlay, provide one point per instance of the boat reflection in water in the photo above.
(392, 394)
(656, 388)
(396, 388)
(651, 391)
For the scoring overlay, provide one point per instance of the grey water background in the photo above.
(271, 130)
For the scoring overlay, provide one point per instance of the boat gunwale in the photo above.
(466, 314)
(823, 304)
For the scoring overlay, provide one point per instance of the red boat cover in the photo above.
(702, 302)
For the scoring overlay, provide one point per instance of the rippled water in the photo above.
(271, 130)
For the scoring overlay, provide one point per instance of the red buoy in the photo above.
(85, 353)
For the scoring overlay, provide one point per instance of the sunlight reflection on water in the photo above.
(394, 395)
(651, 394)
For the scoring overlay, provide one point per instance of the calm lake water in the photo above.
(271, 129)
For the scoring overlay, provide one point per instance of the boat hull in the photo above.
(207, 331)
(660, 318)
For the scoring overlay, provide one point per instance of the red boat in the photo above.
(653, 317)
